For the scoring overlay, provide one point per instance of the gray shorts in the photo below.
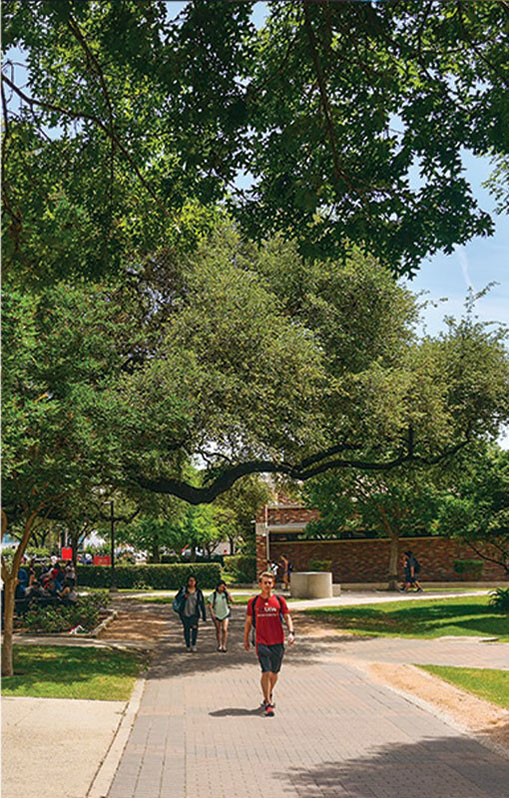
(271, 657)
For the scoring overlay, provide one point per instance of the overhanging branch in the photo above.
(302, 471)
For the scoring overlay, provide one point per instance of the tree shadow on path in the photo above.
(172, 659)
(455, 766)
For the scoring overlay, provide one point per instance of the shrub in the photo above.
(320, 565)
(155, 577)
(240, 567)
(500, 599)
(470, 567)
(61, 618)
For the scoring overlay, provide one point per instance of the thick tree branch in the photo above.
(504, 564)
(300, 472)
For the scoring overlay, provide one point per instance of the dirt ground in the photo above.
(138, 621)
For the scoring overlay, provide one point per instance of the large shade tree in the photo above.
(238, 357)
(395, 504)
(129, 121)
(476, 509)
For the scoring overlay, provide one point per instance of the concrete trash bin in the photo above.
(311, 584)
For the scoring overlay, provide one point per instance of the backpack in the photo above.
(178, 602)
(253, 617)
(417, 565)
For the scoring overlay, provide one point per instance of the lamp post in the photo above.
(113, 584)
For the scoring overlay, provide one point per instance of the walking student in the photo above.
(189, 604)
(219, 602)
(266, 612)
(286, 570)
(411, 568)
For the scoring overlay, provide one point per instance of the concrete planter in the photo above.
(311, 584)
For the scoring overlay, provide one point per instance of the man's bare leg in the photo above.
(273, 680)
(266, 684)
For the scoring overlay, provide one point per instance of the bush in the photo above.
(61, 618)
(320, 565)
(472, 568)
(240, 567)
(155, 577)
(500, 599)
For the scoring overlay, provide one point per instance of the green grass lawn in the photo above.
(434, 618)
(492, 685)
(73, 672)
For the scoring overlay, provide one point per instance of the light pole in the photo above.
(113, 584)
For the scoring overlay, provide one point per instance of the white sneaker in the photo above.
(193, 648)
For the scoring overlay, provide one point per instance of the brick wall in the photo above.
(287, 515)
(367, 560)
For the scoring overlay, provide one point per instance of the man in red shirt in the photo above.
(265, 612)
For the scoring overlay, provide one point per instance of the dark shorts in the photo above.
(271, 657)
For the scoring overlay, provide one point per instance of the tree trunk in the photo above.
(155, 556)
(393, 550)
(8, 609)
(10, 577)
(232, 545)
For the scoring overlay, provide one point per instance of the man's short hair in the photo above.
(266, 573)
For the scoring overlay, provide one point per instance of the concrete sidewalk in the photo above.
(199, 732)
(54, 745)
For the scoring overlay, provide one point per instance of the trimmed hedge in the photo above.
(320, 565)
(468, 566)
(241, 567)
(156, 577)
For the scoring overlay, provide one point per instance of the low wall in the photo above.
(368, 560)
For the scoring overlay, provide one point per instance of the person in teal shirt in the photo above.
(220, 601)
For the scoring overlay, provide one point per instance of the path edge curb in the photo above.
(105, 774)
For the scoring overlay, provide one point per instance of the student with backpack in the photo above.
(265, 615)
(189, 605)
(220, 601)
(411, 568)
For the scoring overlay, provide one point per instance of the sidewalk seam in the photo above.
(105, 774)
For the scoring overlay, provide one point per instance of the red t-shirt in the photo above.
(269, 629)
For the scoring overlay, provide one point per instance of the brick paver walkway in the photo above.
(199, 733)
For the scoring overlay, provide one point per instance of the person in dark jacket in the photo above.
(191, 606)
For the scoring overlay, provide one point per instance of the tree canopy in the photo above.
(476, 510)
(349, 118)
(244, 360)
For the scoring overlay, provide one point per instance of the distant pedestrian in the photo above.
(190, 605)
(286, 570)
(266, 612)
(220, 601)
(411, 568)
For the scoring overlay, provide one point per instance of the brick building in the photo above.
(279, 525)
